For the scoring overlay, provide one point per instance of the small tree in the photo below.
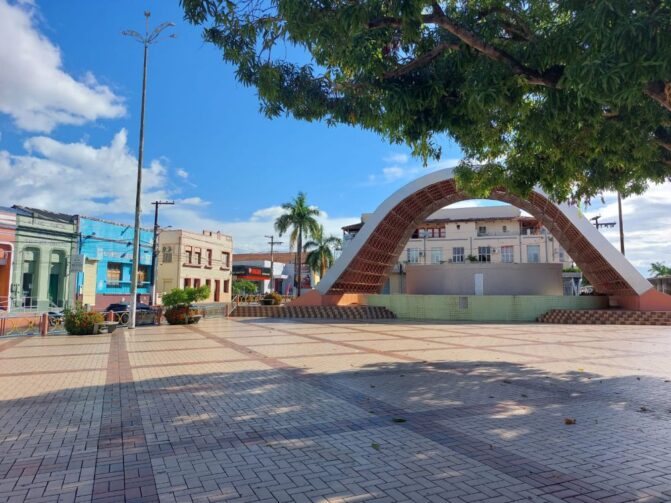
(178, 303)
(243, 286)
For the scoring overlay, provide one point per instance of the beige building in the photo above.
(189, 259)
(487, 234)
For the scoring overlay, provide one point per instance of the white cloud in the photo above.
(399, 168)
(79, 178)
(397, 158)
(266, 214)
(182, 173)
(248, 235)
(646, 222)
(34, 89)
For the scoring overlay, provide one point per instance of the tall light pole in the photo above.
(146, 40)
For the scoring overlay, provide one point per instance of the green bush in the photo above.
(184, 297)
(77, 321)
(273, 298)
(178, 301)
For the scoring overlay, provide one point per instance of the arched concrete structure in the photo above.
(367, 261)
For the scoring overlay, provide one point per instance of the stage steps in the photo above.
(315, 312)
(605, 317)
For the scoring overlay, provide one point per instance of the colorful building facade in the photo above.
(7, 241)
(189, 259)
(45, 243)
(107, 248)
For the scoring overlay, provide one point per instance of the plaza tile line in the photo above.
(535, 474)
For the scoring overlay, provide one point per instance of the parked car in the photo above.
(143, 312)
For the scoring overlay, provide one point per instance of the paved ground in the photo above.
(255, 410)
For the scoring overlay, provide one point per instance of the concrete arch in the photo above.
(367, 261)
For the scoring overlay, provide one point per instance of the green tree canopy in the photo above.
(320, 251)
(658, 269)
(184, 297)
(573, 95)
(301, 218)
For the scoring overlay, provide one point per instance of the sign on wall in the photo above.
(77, 263)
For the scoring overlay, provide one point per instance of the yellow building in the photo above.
(189, 259)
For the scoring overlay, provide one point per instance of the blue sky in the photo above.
(201, 121)
(69, 109)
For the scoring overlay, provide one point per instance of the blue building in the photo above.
(108, 256)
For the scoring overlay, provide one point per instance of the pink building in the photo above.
(7, 238)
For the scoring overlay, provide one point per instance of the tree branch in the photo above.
(469, 38)
(421, 60)
(659, 91)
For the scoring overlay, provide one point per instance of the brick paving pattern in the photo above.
(280, 411)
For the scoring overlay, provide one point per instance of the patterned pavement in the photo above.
(280, 411)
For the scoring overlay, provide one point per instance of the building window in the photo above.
(482, 230)
(226, 285)
(458, 254)
(505, 228)
(167, 254)
(208, 284)
(217, 290)
(113, 273)
(413, 255)
(484, 253)
(225, 259)
(209, 257)
(533, 254)
(458, 226)
(196, 283)
(189, 255)
(442, 232)
(187, 282)
(507, 254)
(561, 255)
(198, 256)
(143, 274)
(436, 255)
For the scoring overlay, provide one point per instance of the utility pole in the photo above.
(154, 254)
(619, 211)
(272, 244)
(146, 40)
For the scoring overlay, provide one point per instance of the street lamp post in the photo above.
(146, 40)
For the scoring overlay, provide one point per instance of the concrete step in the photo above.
(605, 317)
(315, 312)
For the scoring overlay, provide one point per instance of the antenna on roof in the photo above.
(598, 224)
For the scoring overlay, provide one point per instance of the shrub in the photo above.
(77, 321)
(178, 303)
(273, 298)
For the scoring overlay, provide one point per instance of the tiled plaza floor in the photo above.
(258, 410)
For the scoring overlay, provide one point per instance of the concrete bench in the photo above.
(110, 326)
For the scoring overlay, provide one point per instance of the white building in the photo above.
(486, 234)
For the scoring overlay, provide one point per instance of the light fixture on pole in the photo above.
(146, 40)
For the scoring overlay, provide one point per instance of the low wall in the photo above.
(481, 307)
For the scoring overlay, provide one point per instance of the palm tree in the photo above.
(658, 269)
(320, 251)
(301, 219)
